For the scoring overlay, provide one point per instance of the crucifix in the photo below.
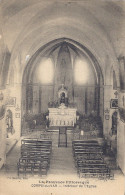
(116, 94)
(106, 110)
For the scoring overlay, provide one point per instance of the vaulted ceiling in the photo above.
(28, 25)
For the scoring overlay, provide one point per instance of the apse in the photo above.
(66, 65)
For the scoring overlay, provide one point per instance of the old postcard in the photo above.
(62, 97)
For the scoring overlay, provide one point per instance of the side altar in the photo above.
(62, 115)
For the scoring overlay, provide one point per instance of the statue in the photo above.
(62, 98)
(63, 95)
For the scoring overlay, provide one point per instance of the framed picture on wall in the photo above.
(114, 103)
(17, 115)
(107, 117)
(11, 101)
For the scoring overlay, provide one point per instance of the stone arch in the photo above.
(56, 42)
(31, 65)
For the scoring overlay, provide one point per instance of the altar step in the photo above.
(62, 138)
(56, 129)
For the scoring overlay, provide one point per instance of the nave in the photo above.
(62, 162)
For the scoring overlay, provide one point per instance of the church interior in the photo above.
(62, 88)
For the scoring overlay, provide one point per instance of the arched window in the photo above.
(81, 71)
(45, 71)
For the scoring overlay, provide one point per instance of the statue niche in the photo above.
(9, 123)
(63, 96)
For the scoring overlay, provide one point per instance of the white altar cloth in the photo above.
(62, 116)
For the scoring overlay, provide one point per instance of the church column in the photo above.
(101, 102)
(35, 108)
(29, 97)
(121, 131)
(96, 99)
(3, 132)
(86, 103)
(40, 98)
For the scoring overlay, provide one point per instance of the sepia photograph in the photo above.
(62, 97)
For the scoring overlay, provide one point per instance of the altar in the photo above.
(62, 116)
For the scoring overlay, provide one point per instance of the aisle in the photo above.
(62, 162)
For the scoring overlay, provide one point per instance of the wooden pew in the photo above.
(88, 156)
(35, 156)
(35, 141)
(94, 172)
(31, 168)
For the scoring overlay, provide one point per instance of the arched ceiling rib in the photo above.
(26, 18)
(99, 25)
(74, 47)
